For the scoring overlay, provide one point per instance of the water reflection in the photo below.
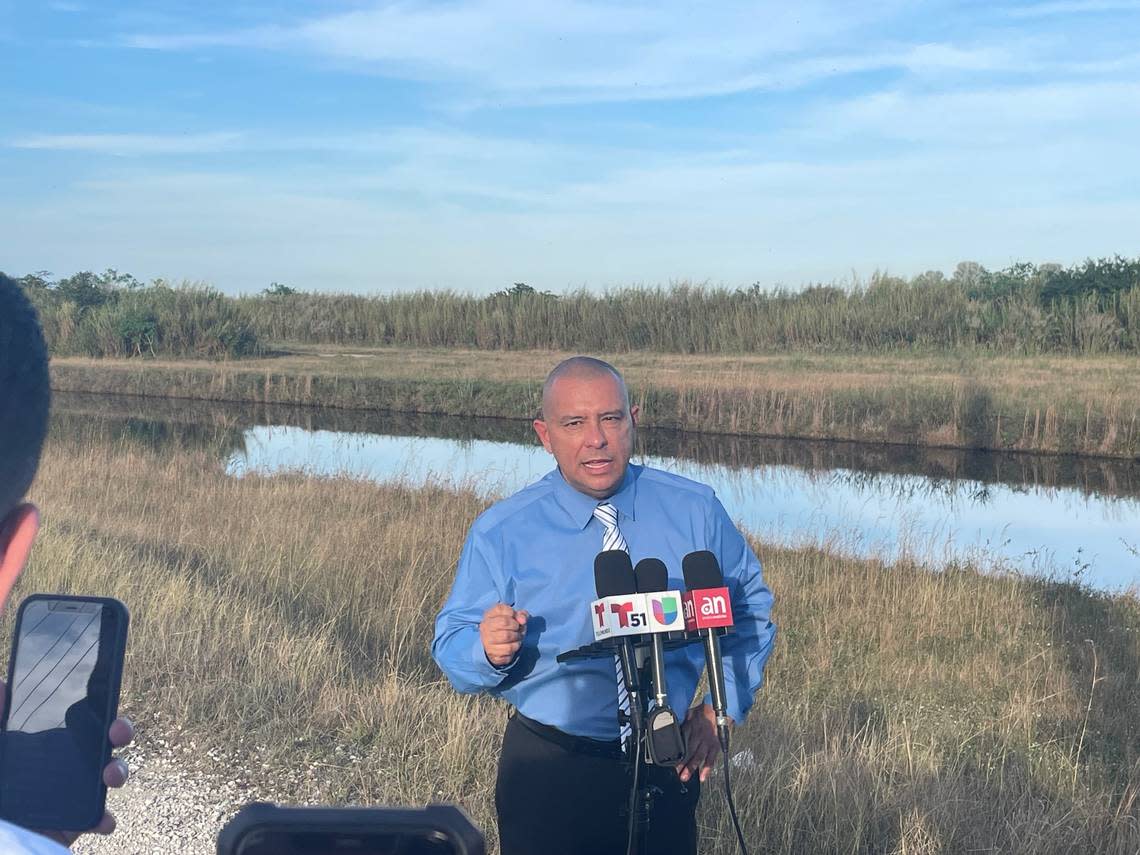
(1041, 514)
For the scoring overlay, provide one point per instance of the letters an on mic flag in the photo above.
(707, 608)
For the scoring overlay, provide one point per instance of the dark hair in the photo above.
(25, 393)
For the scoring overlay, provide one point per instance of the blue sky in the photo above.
(382, 146)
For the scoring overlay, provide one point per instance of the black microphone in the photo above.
(613, 577)
(651, 576)
(666, 743)
(702, 570)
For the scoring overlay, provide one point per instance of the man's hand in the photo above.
(115, 774)
(501, 631)
(701, 740)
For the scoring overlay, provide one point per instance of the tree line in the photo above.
(1091, 307)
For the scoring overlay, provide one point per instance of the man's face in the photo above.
(588, 426)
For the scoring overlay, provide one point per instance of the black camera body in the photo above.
(267, 829)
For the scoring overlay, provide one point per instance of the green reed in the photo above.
(1026, 309)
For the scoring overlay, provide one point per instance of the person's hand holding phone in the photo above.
(115, 774)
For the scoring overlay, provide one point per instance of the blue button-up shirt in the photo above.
(535, 551)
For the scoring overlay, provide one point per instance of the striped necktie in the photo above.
(607, 515)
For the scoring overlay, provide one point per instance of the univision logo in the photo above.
(665, 610)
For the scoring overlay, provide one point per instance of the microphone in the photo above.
(707, 608)
(626, 613)
(666, 743)
(614, 582)
(651, 577)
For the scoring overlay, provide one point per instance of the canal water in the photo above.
(1066, 517)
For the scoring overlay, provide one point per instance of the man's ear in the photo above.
(634, 412)
(17, 531)
(543, 433)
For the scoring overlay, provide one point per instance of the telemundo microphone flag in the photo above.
(637, 614)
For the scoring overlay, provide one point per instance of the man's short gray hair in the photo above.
(581, 366)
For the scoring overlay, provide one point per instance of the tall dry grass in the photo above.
(887, 314)
(1087, 309)
(284, 623)
(1081, 405)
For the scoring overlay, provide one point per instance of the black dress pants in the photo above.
(553, 798)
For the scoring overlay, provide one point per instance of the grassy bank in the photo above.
(286, 621)
(220, 428)
(1080, 405)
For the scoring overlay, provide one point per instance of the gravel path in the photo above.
(164, 808)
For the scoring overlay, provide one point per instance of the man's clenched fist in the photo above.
(501, 631)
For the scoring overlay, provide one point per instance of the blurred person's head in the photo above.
(587, 424)
(25, 397)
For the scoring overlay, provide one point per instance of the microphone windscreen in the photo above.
(701, 570)
(651, 576)
(613, 573)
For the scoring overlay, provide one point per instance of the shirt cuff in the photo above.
(483, 664)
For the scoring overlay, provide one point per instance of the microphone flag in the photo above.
(707, 608)
(637, 614)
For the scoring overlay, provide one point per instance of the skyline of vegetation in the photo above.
(1092, 307)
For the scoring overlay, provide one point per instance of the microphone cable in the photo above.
(702, 571)
(634, 807)
(614, 576)
(723, 734)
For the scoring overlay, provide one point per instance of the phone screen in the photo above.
(62, 693)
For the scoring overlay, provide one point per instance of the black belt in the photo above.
(610, 748)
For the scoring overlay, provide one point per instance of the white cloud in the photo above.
(570, 51)
(1073, 7)
(1017, 114)
(494, 53)
(131, 144)
(733, 217)
(942, 57)
(990, 143)
(497, 52)
(432, 166)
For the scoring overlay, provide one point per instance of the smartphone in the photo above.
(63, 693)
(265, 829)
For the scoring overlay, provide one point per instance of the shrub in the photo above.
(113, 315)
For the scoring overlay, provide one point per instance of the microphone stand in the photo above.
(642, 792)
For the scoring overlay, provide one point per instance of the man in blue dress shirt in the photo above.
(521, 596)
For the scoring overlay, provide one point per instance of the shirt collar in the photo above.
(580, 507)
